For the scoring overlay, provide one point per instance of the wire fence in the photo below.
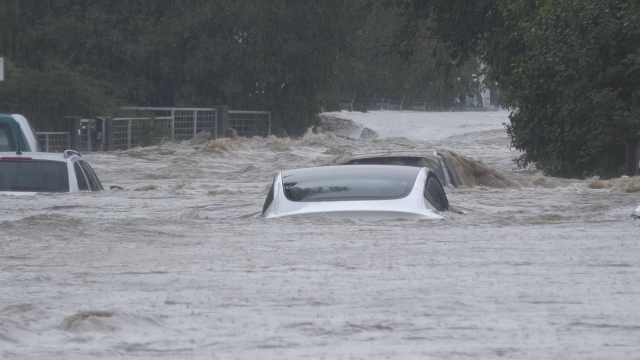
(53, 141)
(131, 132)
(250, 123)
(186, 122)
(154, 126)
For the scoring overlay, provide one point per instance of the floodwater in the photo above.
(179, 264)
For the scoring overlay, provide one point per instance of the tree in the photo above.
(277, 55)
(575, 89)
(569, 68)
(373, 67)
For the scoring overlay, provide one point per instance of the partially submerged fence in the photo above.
(131, 132)
(53, 141)
(185, 122)
(152, 125)
(250, 123)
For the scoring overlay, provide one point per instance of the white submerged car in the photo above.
(28, 173)
(357, 192)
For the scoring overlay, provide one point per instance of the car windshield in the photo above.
(34, 176)
(343, 183)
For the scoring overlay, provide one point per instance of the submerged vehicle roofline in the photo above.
(412, 206)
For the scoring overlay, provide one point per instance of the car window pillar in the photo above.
(81, 178)
(92, 183)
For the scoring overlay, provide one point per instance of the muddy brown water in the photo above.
(180, 265)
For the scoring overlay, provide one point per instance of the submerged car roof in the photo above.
(340, 170)
(403, 160)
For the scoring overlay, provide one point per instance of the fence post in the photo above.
(631, 159)
(195, 123)
(109, 133)
(129, 135)
(75, 133)
(89, 141)
(173, 124)
(222, 120)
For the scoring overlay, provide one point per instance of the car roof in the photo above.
(36, 155)
(375, 156)
(419, 161)
(345, 170)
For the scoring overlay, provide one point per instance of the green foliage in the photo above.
(570, 70)
(52, 93)
(153, 134)
(461, 25)
(373, 67)
(86, 58)
(575, 87)
(276, 55)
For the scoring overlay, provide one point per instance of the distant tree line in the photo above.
(91, 57)
(570, 70)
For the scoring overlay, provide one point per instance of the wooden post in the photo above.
(74, 127)
(222, 116)
(630, 155)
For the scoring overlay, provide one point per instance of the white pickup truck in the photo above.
(16, 134)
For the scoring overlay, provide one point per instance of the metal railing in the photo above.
(53, 141)
(250, 123)
(132, 132)
(186, 122)
(155, 125)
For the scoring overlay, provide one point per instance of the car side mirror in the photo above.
(115, 188)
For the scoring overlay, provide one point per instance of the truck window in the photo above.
(6, 139)
(34, 176)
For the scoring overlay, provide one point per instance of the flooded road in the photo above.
(179, 264)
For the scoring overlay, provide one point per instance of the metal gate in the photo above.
(53, 141)
(186, 123)
(250, 123)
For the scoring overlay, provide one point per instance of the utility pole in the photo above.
(1, 70)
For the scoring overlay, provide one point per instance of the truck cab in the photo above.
(17, 134)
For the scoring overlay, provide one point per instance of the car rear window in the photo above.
(6, 139)
(344, 183)
(34, 175)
